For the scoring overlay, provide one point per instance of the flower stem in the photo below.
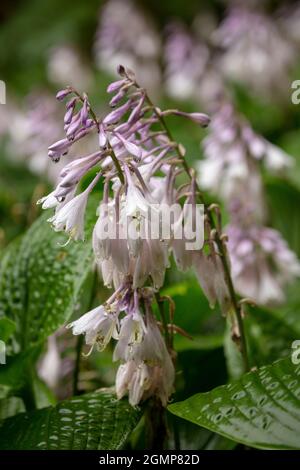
(156, 425)
(218, 240)
(79, 346)
(117, 164)
(28, 394)
(160, 304)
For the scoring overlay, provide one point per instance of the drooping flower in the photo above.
(186, 60)
(232, 155)
(64, 65)
(132, 331)
(210, 274)
(262, 263)
(70, 217)
(148, 369)
(98, 326)
(140, 166)
(256, 50)
(126, 35)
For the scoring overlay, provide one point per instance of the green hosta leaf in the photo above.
(40, 280)
(17, 184)
(261, 409)
(193, 313)
(269, 337)
(43, 395)
(14, 374)
(7, 327)
(201, 342)
(10, 407)
(92, 421)
(189, 436)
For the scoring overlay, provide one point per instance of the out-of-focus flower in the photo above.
(31, 128)
(34, 124)
(262, 264)
(7, 113)
(57, 364)
(186, 61)
(65, 66)
(189, 70)
(256, 51)
(210, 273)
(289, 20)
(50, 365)
(126, 36)
(233, 152)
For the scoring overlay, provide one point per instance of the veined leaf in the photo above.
(14, 374)
(7, 327)
(92, 421)
(10, 407)
(40, 280)
(261, 409)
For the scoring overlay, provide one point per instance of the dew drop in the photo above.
(239, 395)
(218, 418)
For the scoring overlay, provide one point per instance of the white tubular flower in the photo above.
(159, 261)
(210, 274)
(110, 274)
(109, 241)
(135, 201)
(148, 369)
(98, 325)
(140, 268)
(205, 273)
(71, 217)
(182, 256)
(152, 261)
(49, 201)
(131, 332)
(141, 380)
(101, 239)
(133, 378)
(101, 246)
(277, 160)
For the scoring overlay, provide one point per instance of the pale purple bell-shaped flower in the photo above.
(232, 153)
(148, 369)
(211, 277)
(262, 263)
(99, 326)
(71, 217)
(256, 51)
(126, 35)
